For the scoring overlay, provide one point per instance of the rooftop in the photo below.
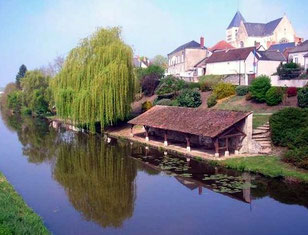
(260, 30)
(300, 48)
(230, 55)
(236, 20)
(221, 45)
(201, 122)
(191, 44)
(281, 46)
(270, 55)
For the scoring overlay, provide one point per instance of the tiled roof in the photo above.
(281, 46)
(222, 45)
(230, 55)
(191, 44)
(260, 30)
(270, 55)
(236, 20)
(300, 48)
(203, 122)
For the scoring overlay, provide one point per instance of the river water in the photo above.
(79, 184)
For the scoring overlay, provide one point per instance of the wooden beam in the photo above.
(132, 130)
(216, 144)
(231, 135)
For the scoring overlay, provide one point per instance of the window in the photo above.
(296, 60)
(242, 44)
(182, 58)
(283, 40)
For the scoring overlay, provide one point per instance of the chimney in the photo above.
(201, 42)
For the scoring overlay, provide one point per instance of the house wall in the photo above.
(275, 81)
(266, 67)
(193, 56)
(247, 145)
(306, 63)
(176, 63)
(231, 35)
(299, 56)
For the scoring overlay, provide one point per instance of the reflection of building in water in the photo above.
(98, 179)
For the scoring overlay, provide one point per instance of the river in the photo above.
(79, 184)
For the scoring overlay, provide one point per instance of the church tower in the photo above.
(231, 32)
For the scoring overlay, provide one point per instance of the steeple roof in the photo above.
(236, 20)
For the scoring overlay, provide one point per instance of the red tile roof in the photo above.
(203, 122)
(230, 55)
(222, 45)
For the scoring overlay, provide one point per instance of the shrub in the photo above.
(242, 90)
(259, 87)
(223, 90)
(248, 96)
(166, 102)
(208, 82)
(297, 156)
(170, 84)
(146, 106)
(302, 97)
(274, 96)
(25, 111)
(287, 124)
(288, 71)
(189, 98)
(193, 85)
(14, 100)
(149, 84)
(291, 91)
(211, 101)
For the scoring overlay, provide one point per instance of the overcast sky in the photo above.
(34, 32)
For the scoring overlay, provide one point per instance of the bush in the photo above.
(291, 91)
(274, 96)
(302, 97)
(166, 102)
(248, 96)
(189, 98)
(14, 100)
(259, 87)
(288, 71)
(149, 84)
(146, 106)
(208, 82)
(287, 124)
(25, 111)
(223, 90)
(170, 85)
(193, 85)
(297, 156)
(211, 101)
(242, 90)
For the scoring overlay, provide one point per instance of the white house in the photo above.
(297, 53)
(306, 61)
(241, 65)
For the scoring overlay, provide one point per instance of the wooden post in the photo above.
(200, 190)
(165, 139)
(216, 144)
(146, 133)
(132, 130)
(188, 143)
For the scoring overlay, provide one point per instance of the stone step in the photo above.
(256, 132)
(258, 135)
(265, 151)
(263, 128)
(261, 138)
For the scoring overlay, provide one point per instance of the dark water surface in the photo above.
(79, 184)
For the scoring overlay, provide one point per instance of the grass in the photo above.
(15, 216)
(270, 166)
(259, 120)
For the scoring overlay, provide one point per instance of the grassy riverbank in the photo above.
(15, 216)
(270, 166)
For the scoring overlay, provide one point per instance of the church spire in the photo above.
(236, 20)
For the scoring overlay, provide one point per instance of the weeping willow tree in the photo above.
(96, 83)
(98, 179)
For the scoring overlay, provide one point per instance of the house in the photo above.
(283, 48)
(244, 34)
(297, 53)
(212, 130)
(221, 45)
(306, 61)
(241, 65)
(141, 62)
(182, 60)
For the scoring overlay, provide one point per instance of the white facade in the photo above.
(266, 67)
(298, 57)
(306, 63)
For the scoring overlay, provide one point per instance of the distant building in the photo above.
(182, 60)
(283, 48)
(241, 65)
(244, 34)
(221, 45)
(298, 54)
(141, 62)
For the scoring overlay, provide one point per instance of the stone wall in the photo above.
(275, 81)
(234, 79)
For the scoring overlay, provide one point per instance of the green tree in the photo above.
(259, 87)
(189, 98)
(96, 83)
(160, 61)
(21, 73)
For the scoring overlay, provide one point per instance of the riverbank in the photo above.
(270, 166)
(15, 216)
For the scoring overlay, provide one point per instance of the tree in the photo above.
(52, 69)
(21, 73)
(189, 98)
(96, 83)
(259, 87)
(160, 61)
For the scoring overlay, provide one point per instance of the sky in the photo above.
(35, 32)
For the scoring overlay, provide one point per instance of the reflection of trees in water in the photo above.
(98, 179)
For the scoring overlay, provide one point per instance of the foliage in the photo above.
(10, 87)
(193, 85)
(189, 98)
(166, 102)
(248, 96)
(21, 73)
(302, 97)
(223, 90)
(96, 83)
(241, 90)
(146, 106)
(160, 61)
(259, 120)
(14, 100)
(211, 101)
(52, 69)
(149, 84)
(259, 87)
(208, 82)
(287, 124)
(288, 70)
(297, 156)
(274, 96)
(170, 84)
(291, 91)
(15, 216)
